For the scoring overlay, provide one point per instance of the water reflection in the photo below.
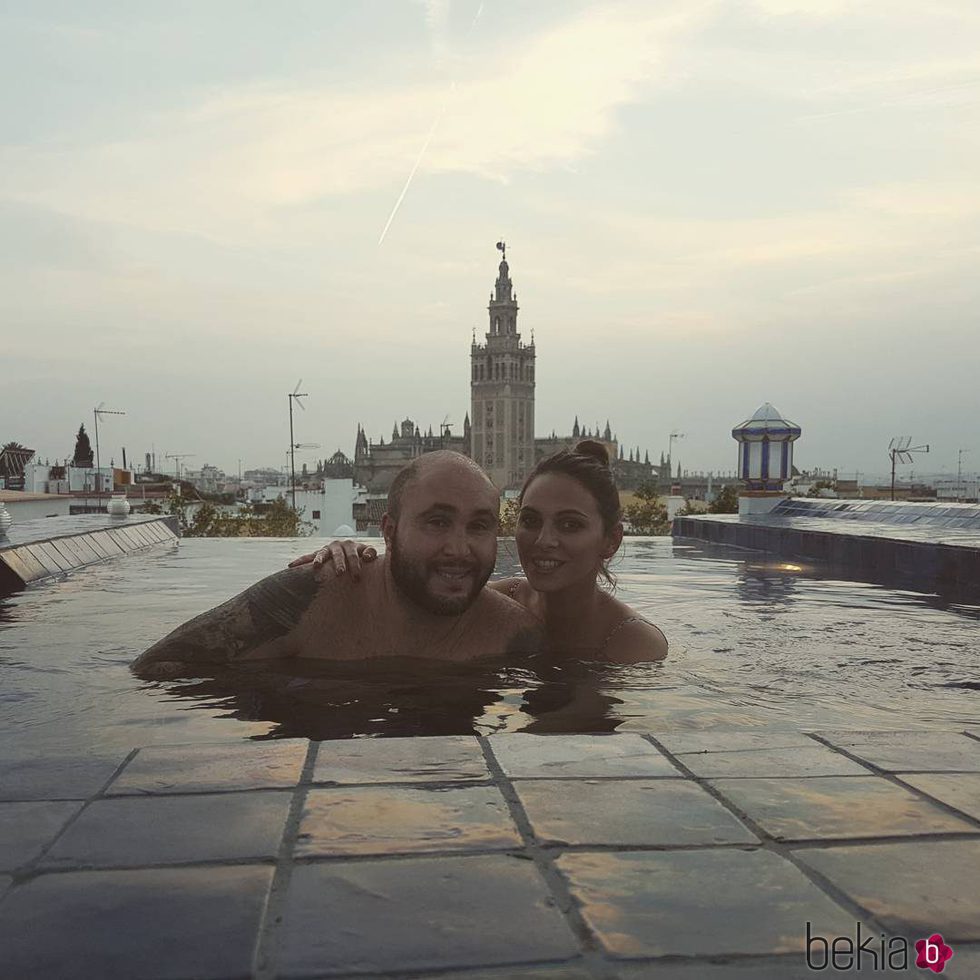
(308, 699)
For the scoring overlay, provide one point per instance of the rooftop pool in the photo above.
(754, 643)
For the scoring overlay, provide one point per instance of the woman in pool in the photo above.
(568, 528)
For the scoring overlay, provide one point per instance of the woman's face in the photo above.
(560, 538)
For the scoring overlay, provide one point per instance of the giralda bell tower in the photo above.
(502, 388)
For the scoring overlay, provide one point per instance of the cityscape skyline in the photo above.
(705, 207)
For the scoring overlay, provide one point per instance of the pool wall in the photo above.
(51, 546)
(935, 546)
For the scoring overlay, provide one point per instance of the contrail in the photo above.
(428, 140)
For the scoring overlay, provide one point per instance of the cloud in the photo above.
(229, 166)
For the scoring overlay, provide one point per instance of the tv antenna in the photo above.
(960, 494)
(445, 431)
(98, 412)
(900, 449)
(177, 457)
(294, 396)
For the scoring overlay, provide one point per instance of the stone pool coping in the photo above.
(681, 855)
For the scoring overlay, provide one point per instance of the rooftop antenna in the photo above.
(98, 412)
(900, 450)
(177, 457)
(294, 395)
(670, 446)
(445, 431)
(960, 493)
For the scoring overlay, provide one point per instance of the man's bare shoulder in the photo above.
(506, 623)
(254, 624)
(495, 605)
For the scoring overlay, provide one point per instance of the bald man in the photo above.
(425, 598)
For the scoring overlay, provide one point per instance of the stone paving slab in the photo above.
(723, 741)
(922, 887)
(560, 971)
(207, 768)
(172, 830)
(401, 760)
(141, 925)
(837, 807)
(420, 913)
(55, 779)
(959, 790)
(687, 903)
(544, 756)
(965, 965)
(25, 828)
(817, 760)
(656, 812)
(909, 751)
(393, 820)
(774, 968)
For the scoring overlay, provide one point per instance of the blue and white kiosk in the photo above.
(765, 458)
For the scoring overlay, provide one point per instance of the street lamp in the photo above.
(670, 450)
(98, 412)
(295, 395)
(959, 473)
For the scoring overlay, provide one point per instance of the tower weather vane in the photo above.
(502, 247)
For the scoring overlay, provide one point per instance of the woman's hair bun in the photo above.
(589, 447)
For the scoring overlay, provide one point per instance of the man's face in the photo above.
(443, 547)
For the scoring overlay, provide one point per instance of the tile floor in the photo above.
(681, 856)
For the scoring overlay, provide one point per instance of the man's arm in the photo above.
(257, 624)
(528, 639)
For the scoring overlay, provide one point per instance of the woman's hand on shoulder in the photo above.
(637, 643)
(342, 555)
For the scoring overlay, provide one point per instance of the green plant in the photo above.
(508, 518)
(645, 514)
(725, 502)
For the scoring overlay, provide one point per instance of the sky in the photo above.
(707, 205)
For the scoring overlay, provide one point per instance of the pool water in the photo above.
(754, 644)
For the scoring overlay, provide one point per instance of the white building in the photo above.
(965, 490)
(328, 510)
(25, 506)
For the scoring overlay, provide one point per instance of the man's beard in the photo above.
(412, 579)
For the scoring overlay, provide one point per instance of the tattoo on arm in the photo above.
(529, 639)
(263, 613)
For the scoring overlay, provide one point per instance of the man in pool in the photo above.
(424, 599)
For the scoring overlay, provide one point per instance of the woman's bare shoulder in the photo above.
(634, 641)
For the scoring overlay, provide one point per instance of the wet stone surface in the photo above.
(172, 830)
(685, 742)
(55, 779)
(910, 751)
(633, 812)
(25, 828)
(687, 903)
(400, 760)
(431, 912)
(207, 768)
(921, 886)
(513, 856)
(392, 820)
(134, 924)
(837, 807)
(816, 760)
(524, 757)
(960, 790)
